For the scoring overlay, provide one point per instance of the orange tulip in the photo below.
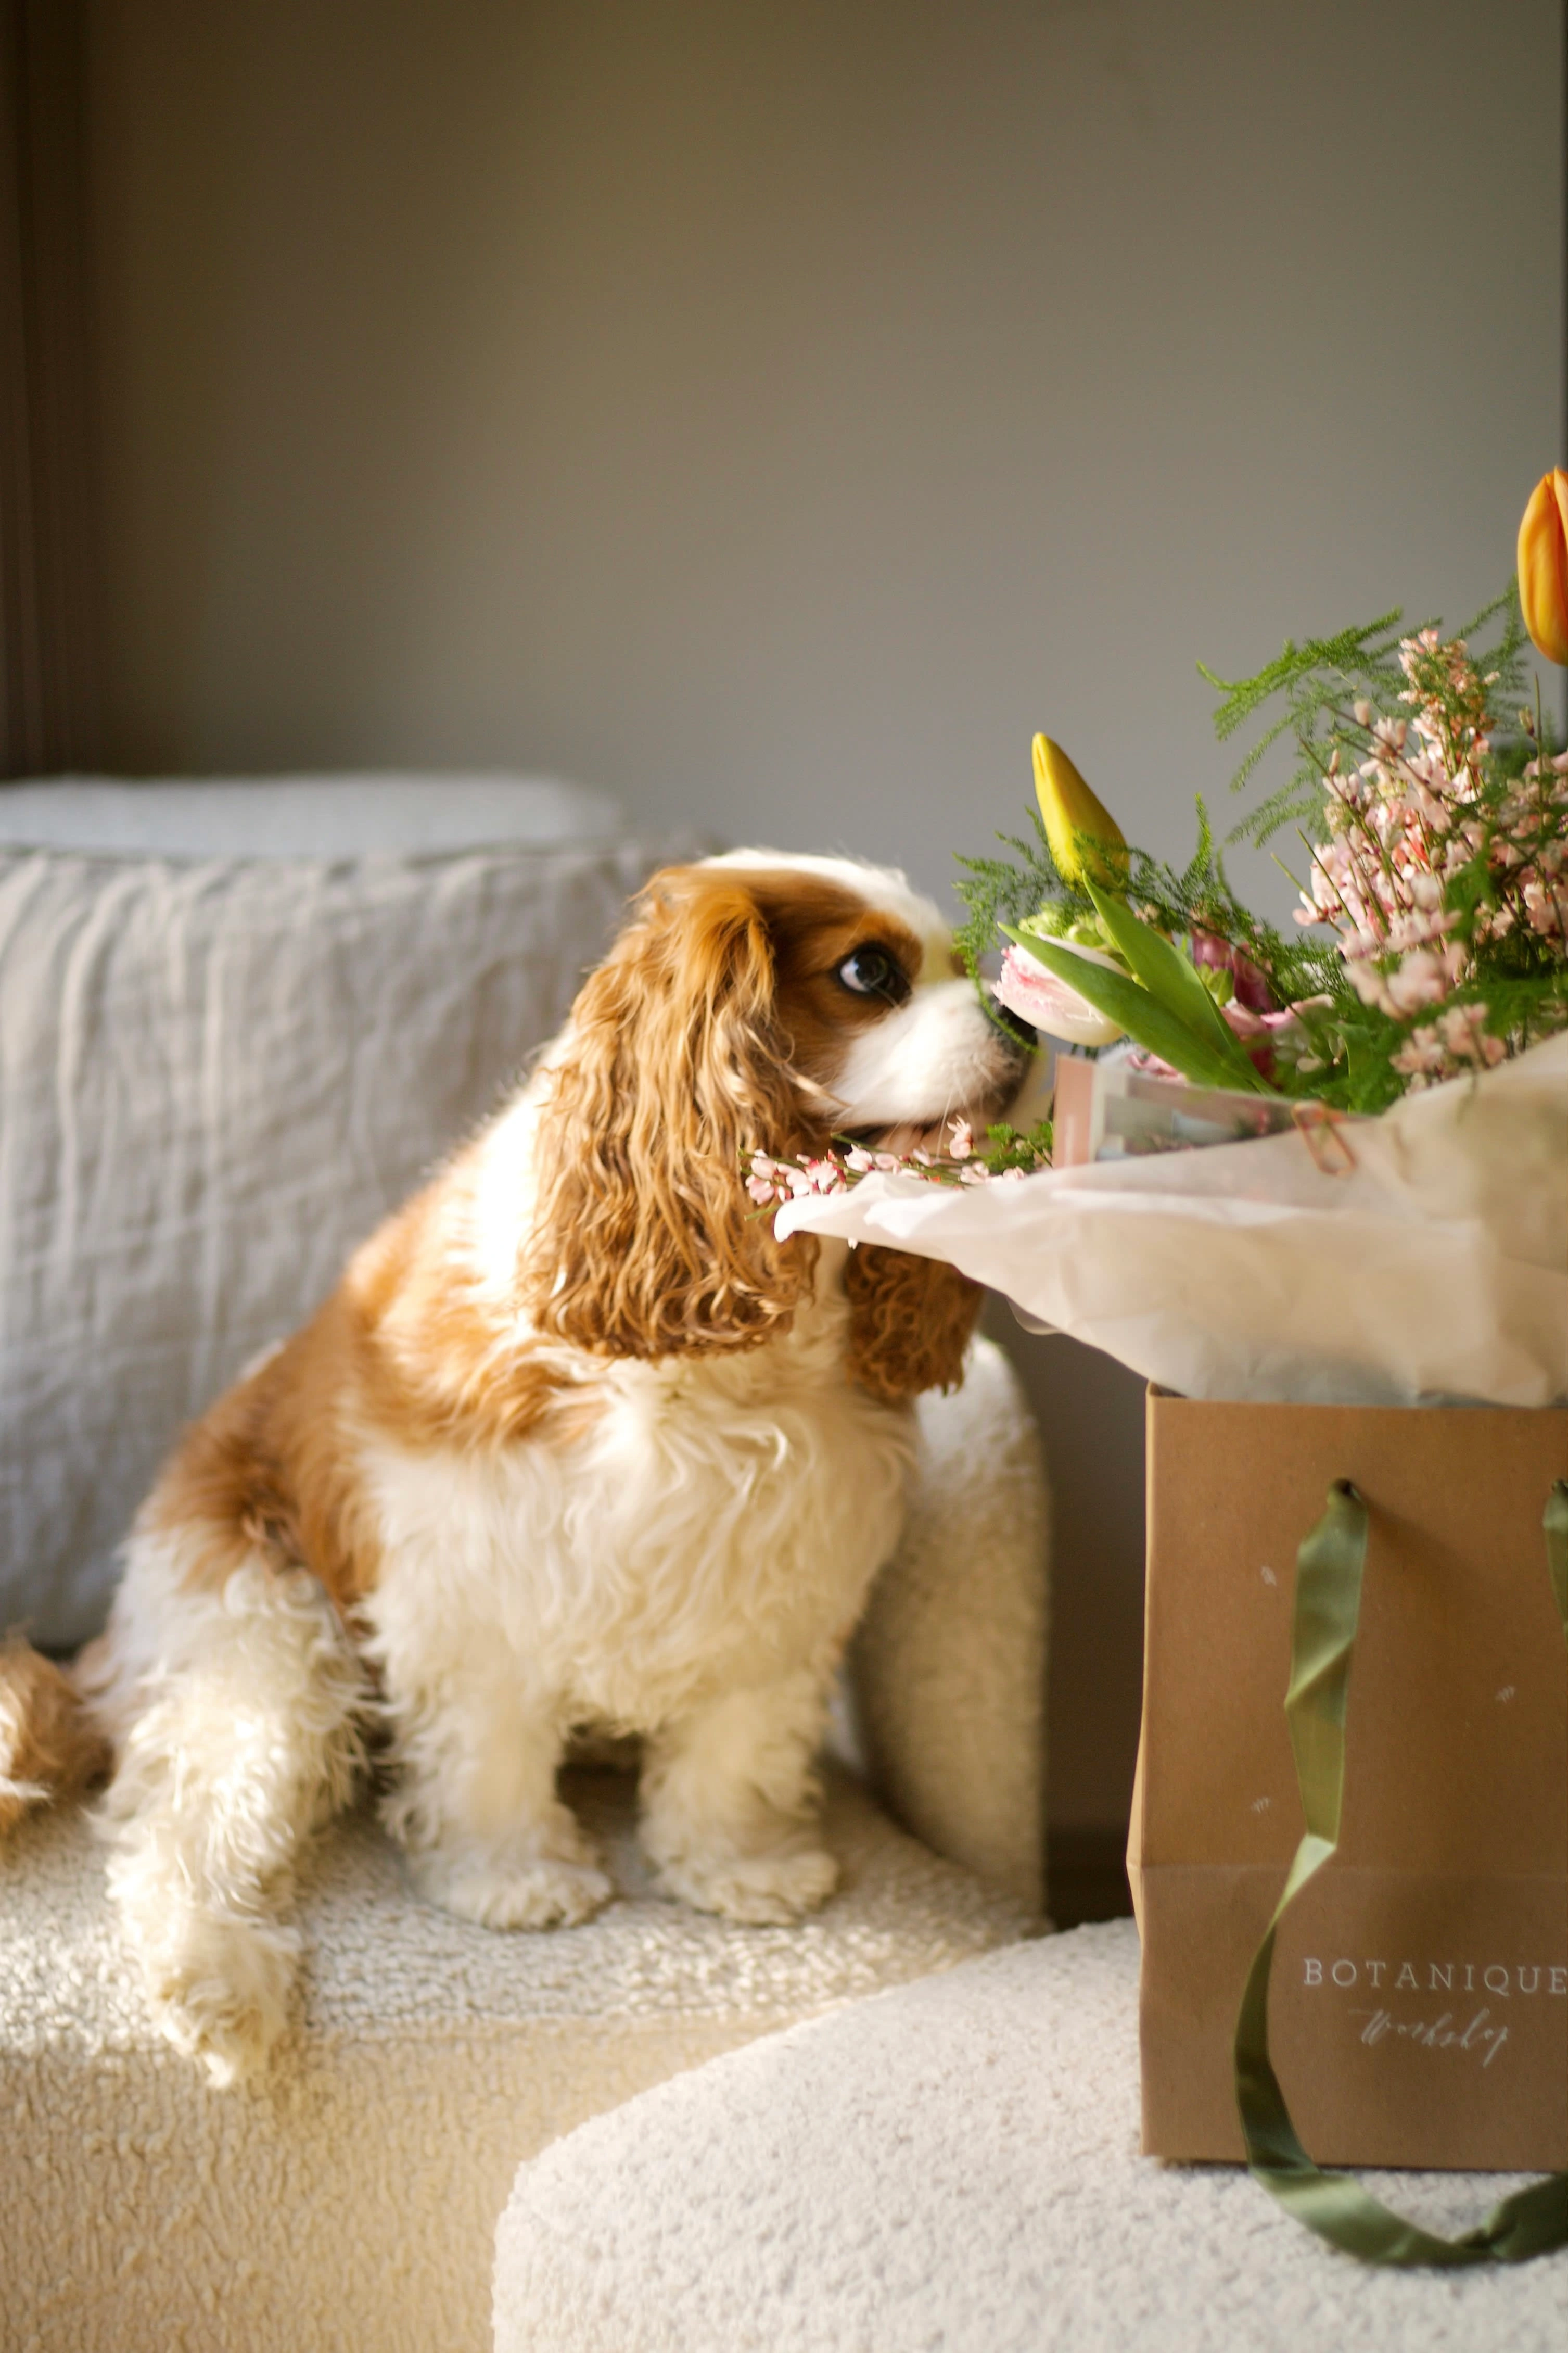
(1543, 564)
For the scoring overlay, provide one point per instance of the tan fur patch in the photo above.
(911, 1319)
(815, 926)
(49, 1745)
(401, 1352)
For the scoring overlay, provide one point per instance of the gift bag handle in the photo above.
(1322, 1642)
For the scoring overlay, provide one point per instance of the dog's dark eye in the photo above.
(872, 972)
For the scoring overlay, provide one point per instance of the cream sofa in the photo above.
(236, 1024)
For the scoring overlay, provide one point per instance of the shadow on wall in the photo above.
(1091, 1412)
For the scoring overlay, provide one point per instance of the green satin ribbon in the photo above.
(1327, 1604)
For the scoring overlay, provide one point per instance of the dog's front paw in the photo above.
(540, 1893)
(761, 1890)
(218, 1988)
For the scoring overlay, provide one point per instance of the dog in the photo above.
(576, 1445)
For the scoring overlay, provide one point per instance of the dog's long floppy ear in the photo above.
(644, 1241)
(910, 1319)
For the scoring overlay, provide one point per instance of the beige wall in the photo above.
(777, 412)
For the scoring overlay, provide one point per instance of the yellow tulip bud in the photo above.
(1086, 841)
(1543, 564)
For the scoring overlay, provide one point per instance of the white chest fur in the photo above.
(716, 1527)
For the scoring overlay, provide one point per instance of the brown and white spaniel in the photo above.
(575, 1444)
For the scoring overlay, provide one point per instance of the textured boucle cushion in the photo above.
(955, 2166)
(349, 2203)
(216, 1075)
(947, 1673)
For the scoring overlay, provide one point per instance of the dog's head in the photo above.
(755, 1002)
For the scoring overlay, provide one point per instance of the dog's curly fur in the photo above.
(668, 1256)
(576, 1444)
(46, 1749)
(910, 1321)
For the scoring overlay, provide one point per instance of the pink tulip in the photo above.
(1251, 985)
(1038, 997)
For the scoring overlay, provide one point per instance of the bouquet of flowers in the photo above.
(1432, 818)
(1415, 1016)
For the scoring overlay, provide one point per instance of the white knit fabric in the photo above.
(349, 2203)
(953, 2168)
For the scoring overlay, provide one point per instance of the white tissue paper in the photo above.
(1426, 1261)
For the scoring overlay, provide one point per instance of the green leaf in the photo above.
(1345, 653)
(1145, 1019)
(1166, 973)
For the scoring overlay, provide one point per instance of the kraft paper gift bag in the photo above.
(1392, 1314)
(1419, 2010)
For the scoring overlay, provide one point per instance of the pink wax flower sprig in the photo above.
(1430, 864)
(1005, 1153)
